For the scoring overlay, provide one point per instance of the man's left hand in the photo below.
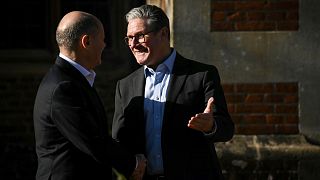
(203, 121)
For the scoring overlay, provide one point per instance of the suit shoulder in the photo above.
(199, 66)
(132, 75)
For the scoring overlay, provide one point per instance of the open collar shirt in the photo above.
(156, 86)
(89, 75)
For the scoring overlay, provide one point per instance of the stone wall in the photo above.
(257, 45)
(269, 157)
(257, 56)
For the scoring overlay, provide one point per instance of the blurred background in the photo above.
(267, 53)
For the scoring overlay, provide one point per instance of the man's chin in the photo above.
(141, 60)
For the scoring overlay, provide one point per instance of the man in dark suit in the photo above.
(71, 132)
(171, 109)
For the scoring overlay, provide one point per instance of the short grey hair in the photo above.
(68, 37)
(155, 16)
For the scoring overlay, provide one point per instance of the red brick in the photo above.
(261, 108)
(256, 16)
(255, 26)
(275, 119)
(291, 98)
(284, 5)
(286, 109)
(237, 119)
(288, 26)
(253, 119)
(286, 87)
(294, 15)
(254, 98)
(230, 107)
(287, 129)
(276, 16)
(273, 98)
(292, 119)
(236, 16)
(235, 98)
(218, 16)
(254, 88)
(255, 129)
(256, 111)
(228, 88)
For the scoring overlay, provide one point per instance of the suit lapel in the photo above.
(178, 79)
(137, 100)
(179, 75)
(138, 83)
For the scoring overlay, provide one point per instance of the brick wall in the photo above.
(264, 108)
(254, 15)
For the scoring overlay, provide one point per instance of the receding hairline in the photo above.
(74, 17)
(74, 25)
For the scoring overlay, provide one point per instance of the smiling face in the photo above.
(155, 48)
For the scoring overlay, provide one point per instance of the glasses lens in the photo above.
(141, 38)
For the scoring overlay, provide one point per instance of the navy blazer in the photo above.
(71, 131)
(187, 154)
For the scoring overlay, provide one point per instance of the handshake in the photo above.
(139, 171)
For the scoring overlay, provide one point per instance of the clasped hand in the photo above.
(140, 169)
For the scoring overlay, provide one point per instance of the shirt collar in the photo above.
(168, 63)
(89, 75)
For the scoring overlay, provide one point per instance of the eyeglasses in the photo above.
(139, 37)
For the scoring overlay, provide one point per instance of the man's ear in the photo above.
(165, 32)
(85, 41)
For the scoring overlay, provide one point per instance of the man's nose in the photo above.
(134, 41)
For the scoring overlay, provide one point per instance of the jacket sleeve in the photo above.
(128, 125)
(224, 124)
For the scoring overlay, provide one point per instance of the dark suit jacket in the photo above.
(187, 153)
(71, 132)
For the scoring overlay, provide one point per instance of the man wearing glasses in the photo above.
(171, 109)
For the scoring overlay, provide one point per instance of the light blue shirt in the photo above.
(89, 75)
(154, 102)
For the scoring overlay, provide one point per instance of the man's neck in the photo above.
(164, 57)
